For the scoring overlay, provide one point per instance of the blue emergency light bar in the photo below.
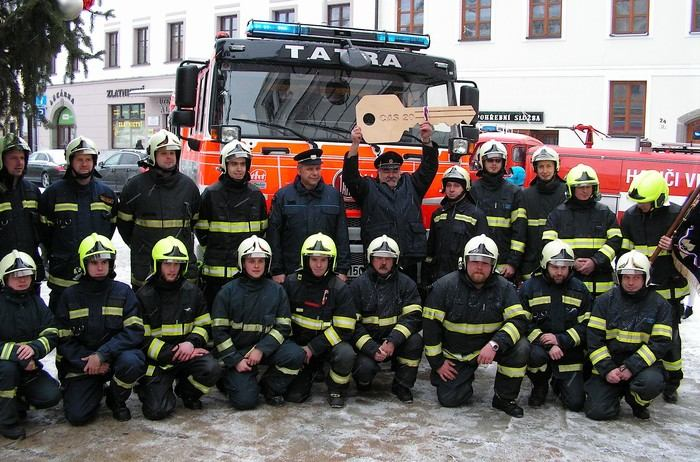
(272, 29)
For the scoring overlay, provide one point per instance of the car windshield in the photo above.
(318, 103)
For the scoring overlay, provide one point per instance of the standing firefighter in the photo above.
(546, 191)
(177, 325)
(101, 337)
(232, 210)
(472, 317)
(501, 202)
(643, 228)
(71, 209)
(19, 202)
(158, 203)
(628, 333)
(589, 226)
(27, 334)
(560, 306)
(251, 326)
(389, 320)
(323, 321)
(452, 225)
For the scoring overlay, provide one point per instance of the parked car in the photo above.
(46, 166)
(118, 165)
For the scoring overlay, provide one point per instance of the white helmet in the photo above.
(458, 175)
(17, 263)
(235, 150)
(545, 153)
(80, 145)
(633, 262)
(491, 149)
(254, 247)
(383, 246)
(481, 248)
(162, 139)
(558, 253)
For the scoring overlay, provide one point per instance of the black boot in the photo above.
(671, 396)
(363, 387)
(13, 432)
(538, 395)
(508, 406)
(336, 399)
(641, 412)
(402, 393)
(192, 403)
(119, 410)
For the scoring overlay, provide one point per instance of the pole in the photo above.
(689, 204)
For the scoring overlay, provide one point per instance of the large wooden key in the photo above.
(383, 118)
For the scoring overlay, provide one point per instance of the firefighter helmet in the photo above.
(318, 245)
(171, 250)
(383, 246)
(558, 253)
(162, 139)
(234, 150)
(649, 186)
(491, 149)
(633, 262)
(582, 175)
(481, 248)
(545, 153)
(81, 145)
(254, 247)
(12, 142)
(18, 264)
(458, 175)
(96, 247)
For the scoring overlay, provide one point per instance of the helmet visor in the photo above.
(561, 263)
(481, 258)
(21, 273)
(630, 271)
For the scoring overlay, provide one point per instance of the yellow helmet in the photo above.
(383, 246)
(458, 175)
(318, 245)
(490, 149)
(649, 186)
(481, 248)
(545, 153)
(18, 264)
(170, 249)
(558, 253)
(162, 139)
(96, 247)
(254, 247)
(81, 145)
(235, 150)
(633, 262)
(582, 175)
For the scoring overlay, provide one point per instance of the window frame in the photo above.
(220, 27)
(546, 20)
(477, 24)
(181, 42)
(630, 20)
(140, 45)
(112, 49)
(411, 26)
(627, 131)
(343, 7)
(283, 15)
(695, 16)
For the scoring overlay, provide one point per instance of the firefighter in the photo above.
(389, 320)
(27, 334)
(232, 209)
(251, 326)
(546, 191)
(101, 334)
(452, 225)
(177, 325)
(323, 321)
(589, 226)
(501, 201)
(305, 207)
(559, 305)
(19, 203)
(72, 209)
(391, 202)
(158, 203)
(644, 226)
(628, 333)
(473, 317)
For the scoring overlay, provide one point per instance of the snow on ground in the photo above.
(374, 427)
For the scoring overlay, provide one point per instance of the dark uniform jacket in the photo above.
(559, 309)
(69, 212)
(642, 231)
(154, 206)
(538, 201)
(397, 212)
(388, 308)
(459, 319)
(501, 202)
(24, 318)
(231, 211)
(97, 317)
(249, 313)
(591, 229)
(19, 221)
(323, 311)
(451, 227)
(634, 330)
(172, 312)
(295, 214)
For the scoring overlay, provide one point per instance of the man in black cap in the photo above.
(305, 207)
(391, 203)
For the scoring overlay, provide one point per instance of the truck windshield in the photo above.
(317, 102)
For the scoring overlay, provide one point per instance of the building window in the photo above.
(285, 15)
(410, 16)
(52, 65)
(75, 64)
(695, 26)
(141, 40)
(339, 15)
(112, 49)
(630, 17)
(229, 24)
(476, 19)
(545, 19)
(175, 41)
(128, 124)
(627, 108)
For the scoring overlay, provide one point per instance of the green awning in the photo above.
(66, 117)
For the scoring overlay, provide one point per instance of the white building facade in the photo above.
(630, 68)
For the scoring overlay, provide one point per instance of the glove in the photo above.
(688, 312)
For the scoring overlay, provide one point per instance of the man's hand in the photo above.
(556, 353)
(426, 132)
(183, 351)
(614, 376)
(507, 271)
(379, 356)
(104, 368)
(625, 374)
(665, 243)
(356, 138)
(388, 348)
(309, 354)
(548, 339)
(584, 266)
(343, 277)
(30, 366)
(199, 352)
(254, 356)
(243, 366)
(93, 364)
(279, 278)
(486, 354)
(447, 371)
(24, 352)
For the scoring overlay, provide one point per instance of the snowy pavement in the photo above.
(374, 427)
